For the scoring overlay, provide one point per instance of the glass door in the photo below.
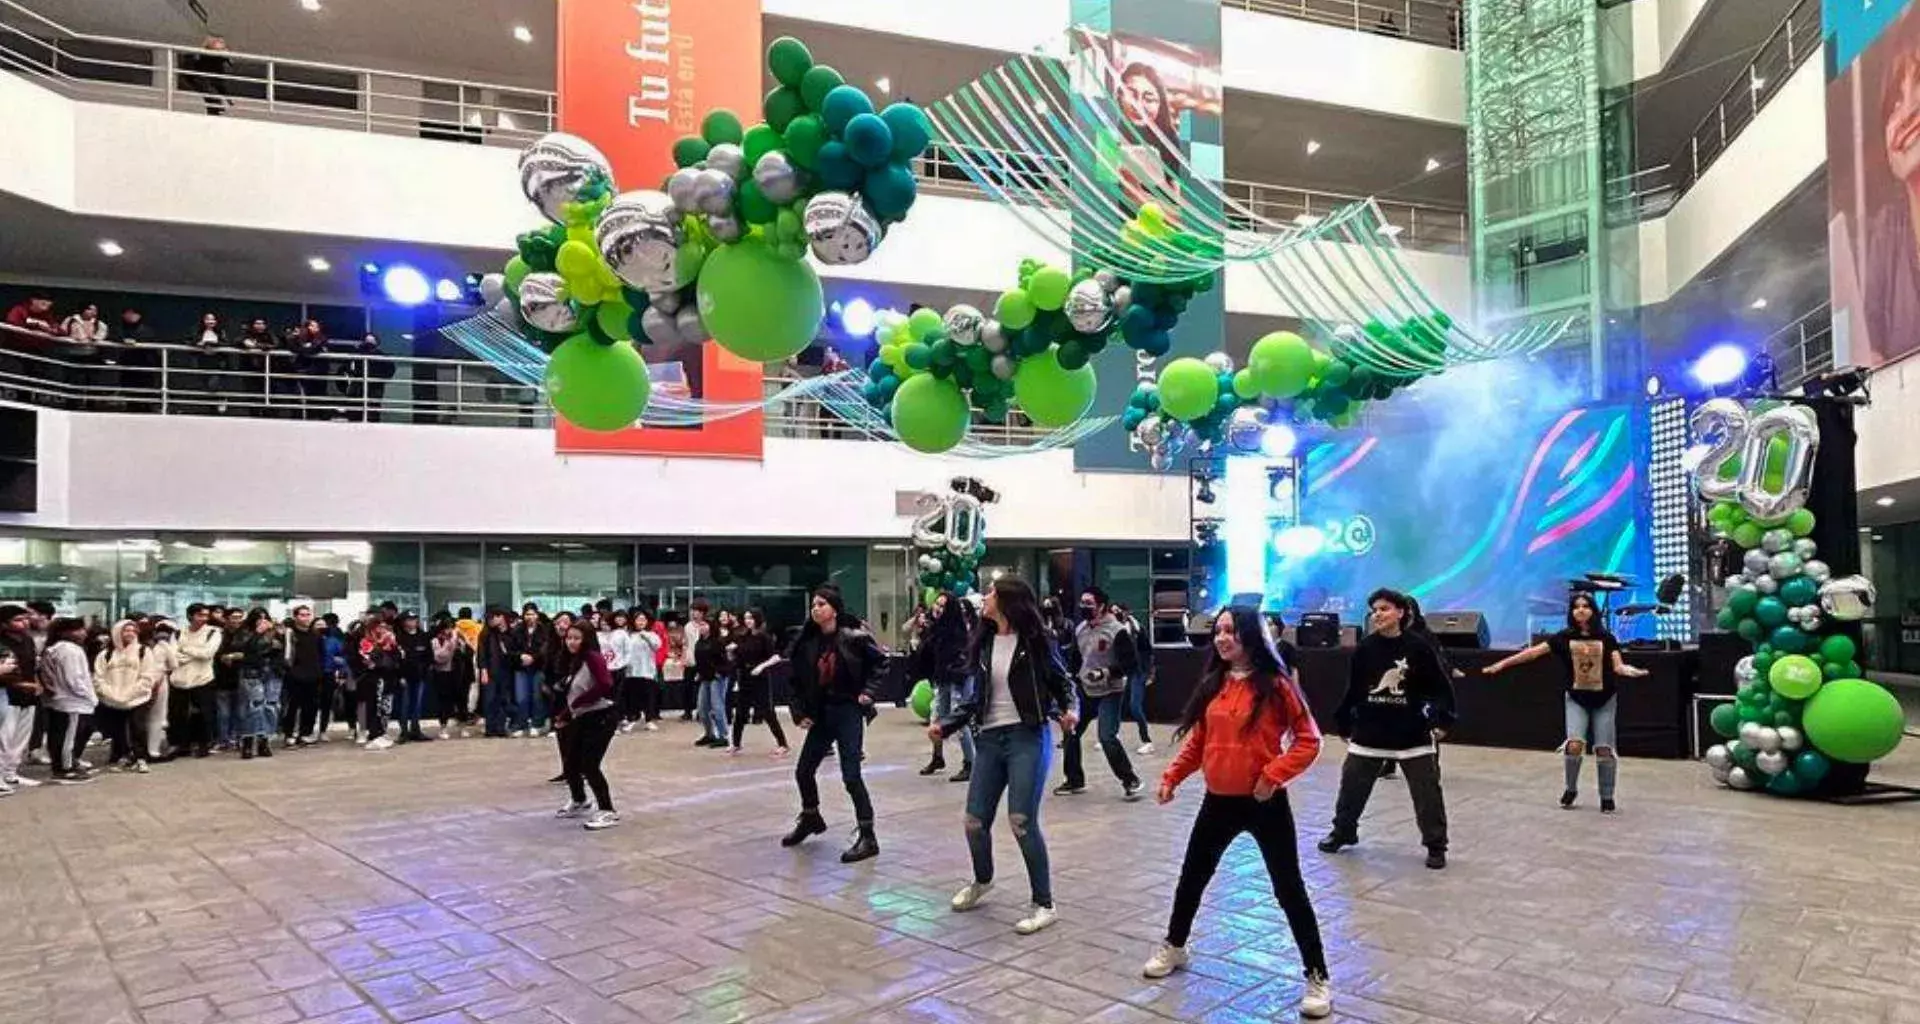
(891, 592)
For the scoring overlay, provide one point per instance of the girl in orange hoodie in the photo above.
(1237, 730)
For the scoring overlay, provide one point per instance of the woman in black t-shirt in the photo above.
(1590, 658)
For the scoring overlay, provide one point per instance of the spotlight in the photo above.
(857, 318)
(1204, 495)
(404, 286)
(1720, 365)
(1845, 382)
(1653, 385)
(1298, 542)
(445, 290)
(110, 248)
(1278, 441)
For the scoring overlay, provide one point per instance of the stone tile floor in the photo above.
(434, 884)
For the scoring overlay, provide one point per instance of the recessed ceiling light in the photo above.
(1433, 164)
(884, 84)
(1307, 220)
(1886, 502)
(310, 5)
(109, 247)
(1878, 537)
(1759, 304)
(523, 33)
(1312, 147)
(1390, 230)
(319, 264)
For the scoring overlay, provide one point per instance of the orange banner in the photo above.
(634, 76)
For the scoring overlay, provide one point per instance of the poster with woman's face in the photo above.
(1873, 151)
(1155, 82)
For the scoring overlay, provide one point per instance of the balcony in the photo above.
(1432, 22)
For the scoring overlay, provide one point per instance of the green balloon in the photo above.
(1746, 535)
(1048, 287)
(1786, 784)
(1799, 590)
(924, 324)
(930, 414)
(1336, 373)
(921, 700)
(1188, 389)
(1770, 611)
(1051, 395)
(1800, 523)
(595, 386)
(1244, 386)
(1742, 754)
(516, 272)
(755, 207)
(1743, 600)
(612, 316)
(761, 139)
(757, 304)
(819, 80)
(1282, 364)
(722, 127)
(1726, 617)
(1748, 629)
(781, 106)
(690, 150)
(1853, 720)
(804, 138)
(1794, 676)
(1790, 640)
(1013, 309)
(1811, 766)
(789, 60)
(1725, 720)
(1838, 647)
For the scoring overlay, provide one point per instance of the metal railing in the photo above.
(170, 379)
(1652, 191)
(1803, 348)
(222, 82)
(1434, 22)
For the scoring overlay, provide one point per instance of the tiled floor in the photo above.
(434, 884)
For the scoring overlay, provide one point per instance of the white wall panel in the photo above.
(40, 162)
(1886, 453)
(1342, 68)
(1012, 25)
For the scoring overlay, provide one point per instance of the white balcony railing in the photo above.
(1434, 22)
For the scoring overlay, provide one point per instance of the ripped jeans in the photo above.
(1014, 759)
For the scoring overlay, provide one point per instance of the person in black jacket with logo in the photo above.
(837, 669)
(530, 642)
(1399, 702)
(305, 654)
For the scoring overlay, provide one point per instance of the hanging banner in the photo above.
(634, 76)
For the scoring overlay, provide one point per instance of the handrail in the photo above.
(1802, 348)
(1652, 191)
(1433, 22)
(173, 379)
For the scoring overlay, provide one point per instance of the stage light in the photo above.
(1204, 495)
(1278, 441)
(857, 318)
(405, 286)
(1299, 542)
(523, 33)
(318, 264)
(1653, 385)
(1312, 147)
(110, 248)
(1720, 365)
(1886, 502)
(444, 290)
(1433, 164)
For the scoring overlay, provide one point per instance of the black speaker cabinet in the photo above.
(1318, 629)
(1718, 652)
(1459, 629)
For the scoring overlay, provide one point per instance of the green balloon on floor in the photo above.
(922, 700)
(1854, 720)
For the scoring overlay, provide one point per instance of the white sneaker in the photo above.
(600, 820)
(1166, 960)
(1145, 749)
(140, 768)
(1036, 919)
(572, 810)
(970, 896)
(519, 734)
(539, 734)
(21, 782)
(84, 765)
(5, 790)
(379, 743)
(626, 726)
(444, 734)
(320, 737)
(653, 726)
(286, 743)
(1318, 1000)
(39, 757)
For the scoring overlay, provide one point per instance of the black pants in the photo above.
(375, 696)
(755, 694)
(450, 696)
(1357, 777)
(191, 718)
(1091, 714)
(689, 694)
(302, 698)
(1220, 821)
(845, 726)
(125, 730)
(640, 701)
(67, 736)
(583, 745)
(329, 695)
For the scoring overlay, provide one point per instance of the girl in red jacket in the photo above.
(1237, 730)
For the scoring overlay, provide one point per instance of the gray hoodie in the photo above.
(69, 682)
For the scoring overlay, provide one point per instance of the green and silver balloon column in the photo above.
(950, 538)
(1802, 703)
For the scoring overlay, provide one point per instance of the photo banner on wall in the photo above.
(1873, 181)
(634, 76)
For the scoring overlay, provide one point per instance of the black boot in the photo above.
(808, 824)
(865, 847)
(935, 766)
(266, 747)
(965, 773)
(246, 750)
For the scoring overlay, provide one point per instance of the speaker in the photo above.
(1719, 651)
(1459, 629)
(1318, 629)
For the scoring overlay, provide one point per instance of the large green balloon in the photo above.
(1725, 720)
(1013, 309)
(1853, 720)
(1282, 363)
(1188, 389)
(922, 700)
(757, 304)
(1051, 395)
(595, 386)
(1838, 647)
(1795, 676)
(930, 414)
(1048, 287)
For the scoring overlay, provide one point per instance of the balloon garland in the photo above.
(1802, 703)
(719, 250)
(950, 537)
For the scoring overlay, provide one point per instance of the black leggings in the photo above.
(640, 700)
(1220, 821)
(583, 745)
(450, 695)
(125, 730)
(756, 693)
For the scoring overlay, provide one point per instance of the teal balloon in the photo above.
(1790, 639)
(911, 132)
(1800, 590)
(922, 699)
(842, 104)
(1743, 600)
(1770, 612)
(891, 191)
(869, 140)
(1725, 720)
(1786, 784)
(837, 168)
(1811, 766)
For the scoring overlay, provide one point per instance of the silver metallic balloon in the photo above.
(668, 301)
(1791, 739)
(639, 236)
(543, 302)
(507, 314)
(1122, 298)
(713, 191)
(1719, 757)
(725, 227)
(688, 325)
(1737, 581)
(1784, 566)
(992, 338)
(1002, 367)
(1776, 540)
(1771, 762)
(777, 179)
(1847, 598)
(1767, 738)
(659, 326)
(1719, 426)
(1805, 548)
(1107, 280)
(682, 188)
(1750, 734)
(1151, 431)
(1744, 672)
(493, 288)
(1720, 774)
(1797, 424)
(1755, 562)
(1794, 615)
(556, 168)
(963, 324)
(1088, 307)
(840, 229)
(1219, 362)
(728, 159)
(1739, 778)
(1245, 428)
(1764, 584)
(1812, 622)
(1817, 570)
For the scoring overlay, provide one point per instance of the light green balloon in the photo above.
(595, 386)
(930, 413)
(1282, 364)
(614, 318)
(516, 272)
(757, 304)
(1188, 389)
(1052, 396)
(1048, 287)
(1014, 309)
(1795, 676)
(1853, 720)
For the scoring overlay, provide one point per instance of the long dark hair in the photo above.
(831, 595)
(1021, 609)
(1269, 672)
(1596, 627)
(568, 662)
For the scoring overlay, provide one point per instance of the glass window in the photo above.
(452, 578)
(1124, 575)
(775, 578)
(559, 576)
(395, 574)
(664, 577)
(333, 576)
(226, 571)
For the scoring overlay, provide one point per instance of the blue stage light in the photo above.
(1720, 365)
(405, 286)
(446, 290)
(1299, 542)
(1278, 441)
(857, 318)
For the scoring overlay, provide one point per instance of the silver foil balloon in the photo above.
(1767, 738)
(639, 236)
(543, 302)
(1805, 548)
(777, 179)
(659, 326)
(1791, 739)
(1744, 672)
(507, 314)
(1720, 427)
(1719, 757)
(992, 337)
(1776, 540)
(682, 188)
(1088, 307)
(1764, 584)
(728, 159)
(1784, 566)
(1736, 581)
(1152, 431)
(1739, 778)
(840, 229)
(668, 301)
(1219, 362)
(725, 228)
(1847, 598)
(1812, 622)
(493, 288)
(1771, 762)
(963, 324)
(555, 169)
(1795, 423)
(1107, 280)
(713, 192)
(1720, 774)
(1245, 428)
(1122, 298)
(1755, 562)
(1817, 570)
(1794, 615)
(1750, 734)
(688, 325)
(1002, 367)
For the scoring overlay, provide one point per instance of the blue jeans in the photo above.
(413, 705)
(1137, 702)
(266, 704)
(1105, 710)
(712, 708)
(1013, 759)
(232, 713)
(527, 711)
(497, 697)
(943, 700)
(1601, 724)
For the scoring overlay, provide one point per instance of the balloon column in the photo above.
(719, 250)
(1802, 703)
(950, 537)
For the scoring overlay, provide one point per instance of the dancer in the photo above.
(1248, 731)
(1141, 676)
(837, 669)
(941, 660)
(1590, 662)
(1019, 685)
(753, 658)
(1399, 701)
(584, 720)
(641, 702)
(1107, 658)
